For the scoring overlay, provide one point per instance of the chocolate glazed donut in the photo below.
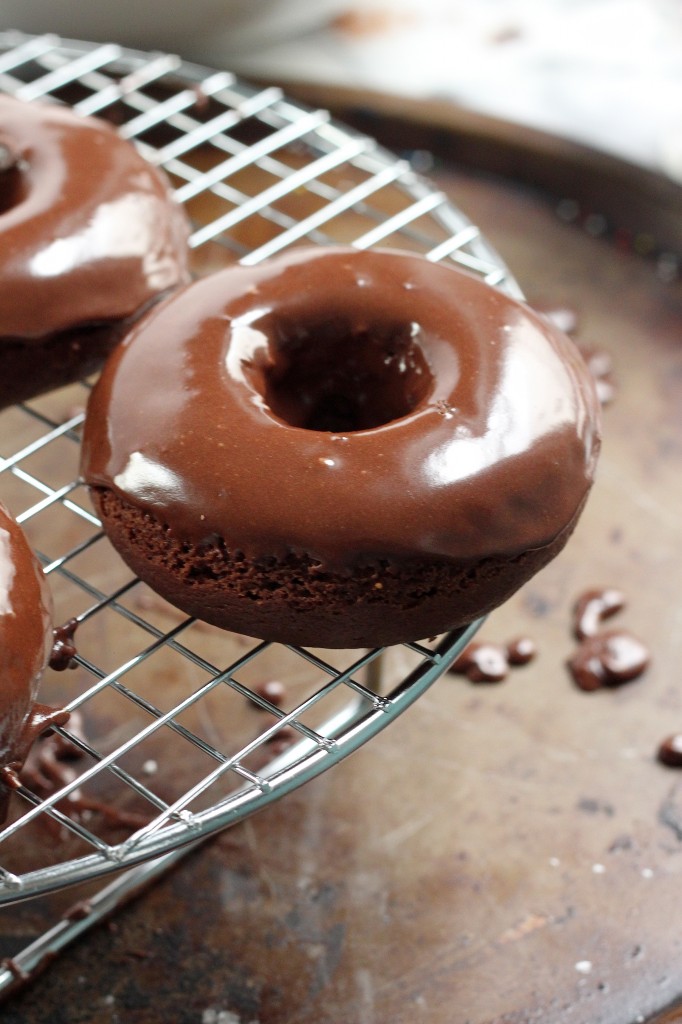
(26, 639)
(341, 448)
(89, 237)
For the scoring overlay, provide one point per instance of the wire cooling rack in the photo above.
(176, 728)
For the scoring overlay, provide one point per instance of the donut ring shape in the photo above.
(88, 229)
(360, 437)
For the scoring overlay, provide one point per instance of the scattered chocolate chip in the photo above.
(521, 651)
(482, 663)
(63, 647)
(272, 690)
(586, 669)
(593, 607)
(607, 660)
(670, 751)
(485, 662)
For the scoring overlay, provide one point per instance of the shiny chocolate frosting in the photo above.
(347, 405)
(25, 641)
(89, 231)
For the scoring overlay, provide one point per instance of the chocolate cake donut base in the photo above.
(31, 369)
(297, 601)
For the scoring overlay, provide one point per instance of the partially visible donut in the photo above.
(341, 448)
(89, 237)
(26, 638)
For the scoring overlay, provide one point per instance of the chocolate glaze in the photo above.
(52, 763)
(25, 641)
(347, 405)
(593, 607)
(608, 659)
(88, 229)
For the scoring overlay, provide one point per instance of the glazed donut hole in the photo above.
(342, 376)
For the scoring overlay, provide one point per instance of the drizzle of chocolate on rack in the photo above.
(63, 648)
(51, 765)
(78, 911)
(608, 659)
(521, 650)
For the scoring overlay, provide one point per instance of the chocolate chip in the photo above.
(670, 751)
(521, 651)
(593, 607)
(608, 659)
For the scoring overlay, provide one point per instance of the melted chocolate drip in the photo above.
(593, 607)
(78, 911)
(51, 765)
(608, 660)
(63, 649)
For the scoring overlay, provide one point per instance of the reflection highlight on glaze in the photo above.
(147, 479)
(7, 572)
(530, 402)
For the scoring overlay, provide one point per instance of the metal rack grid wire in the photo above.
(172, 735)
